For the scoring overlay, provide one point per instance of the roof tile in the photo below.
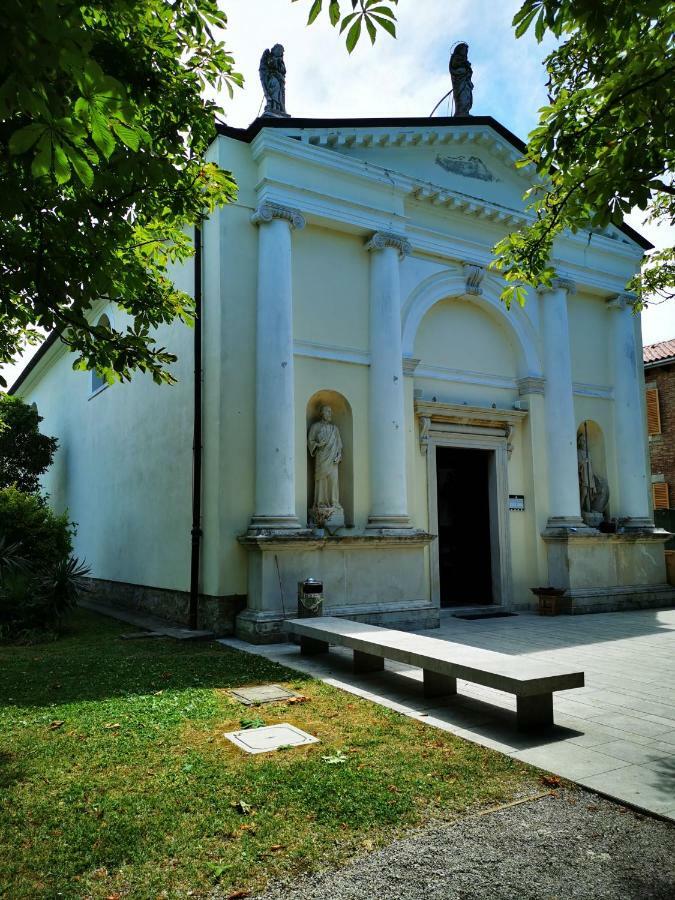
(653, 353)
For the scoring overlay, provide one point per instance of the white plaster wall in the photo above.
(589, 323)
(330, 288)
(123, 468)
(230, 277)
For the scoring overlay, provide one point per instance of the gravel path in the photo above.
(572, 844)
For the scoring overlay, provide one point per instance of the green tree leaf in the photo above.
(354, 34)
(23, 139)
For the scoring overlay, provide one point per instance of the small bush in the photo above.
(25, 453)
(26, 520)
(39, 578)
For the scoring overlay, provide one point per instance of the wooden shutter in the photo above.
(653, 413)
(660, 494)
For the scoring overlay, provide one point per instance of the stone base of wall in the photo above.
(588, 561)
(611, 599)
(670, 566)
(270, 628)
(216, 614)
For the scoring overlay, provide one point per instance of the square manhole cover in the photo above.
(271, 737)
(263, 693)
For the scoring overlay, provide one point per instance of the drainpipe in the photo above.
(196, 533)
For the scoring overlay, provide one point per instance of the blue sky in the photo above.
(403, 77)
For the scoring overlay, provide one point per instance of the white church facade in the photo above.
(467, 452)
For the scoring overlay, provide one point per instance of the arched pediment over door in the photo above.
(515, 326)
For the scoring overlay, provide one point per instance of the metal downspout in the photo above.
(196, 533)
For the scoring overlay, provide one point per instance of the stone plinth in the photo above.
(379, 579)
(607, 572)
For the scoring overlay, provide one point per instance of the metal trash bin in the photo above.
(310, 598)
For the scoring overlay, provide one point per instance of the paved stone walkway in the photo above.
(615, 736)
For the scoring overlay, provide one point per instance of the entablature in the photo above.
(461, 414)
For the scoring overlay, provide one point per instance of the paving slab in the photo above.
(615, 735)
(633, 784)
(641, 755)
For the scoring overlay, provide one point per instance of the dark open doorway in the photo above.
(464, 526)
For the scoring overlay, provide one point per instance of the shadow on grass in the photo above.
(91, 662)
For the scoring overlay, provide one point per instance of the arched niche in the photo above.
(590, 434)
(342, 417)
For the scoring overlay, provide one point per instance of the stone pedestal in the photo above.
(378, 579)
(607, 572)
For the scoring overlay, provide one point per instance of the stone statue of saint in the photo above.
(272, 71)
(593, 488)
(325, 446)
(462, 86)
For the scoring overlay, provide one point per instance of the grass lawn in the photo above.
(115, 779)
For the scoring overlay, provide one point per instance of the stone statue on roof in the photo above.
(272, 71)
(462, 86)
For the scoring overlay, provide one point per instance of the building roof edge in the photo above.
(248, 134)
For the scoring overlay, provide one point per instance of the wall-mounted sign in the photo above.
(517, 502)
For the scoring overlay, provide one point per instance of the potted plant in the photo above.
(319, 515)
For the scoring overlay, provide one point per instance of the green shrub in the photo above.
(25, 453)
(25, 519)
(39, 578)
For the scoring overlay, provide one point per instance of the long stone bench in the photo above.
(443, 662)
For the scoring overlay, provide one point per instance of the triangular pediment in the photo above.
(465, 164)
(471, 160)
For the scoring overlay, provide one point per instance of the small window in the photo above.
(98, 383)
(653, 412)
(660, 495)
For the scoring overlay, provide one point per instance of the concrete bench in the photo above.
(442, 663)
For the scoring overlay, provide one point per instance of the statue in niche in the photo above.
(460, 74)
(272, 71)
(593, 488)
(325, 447)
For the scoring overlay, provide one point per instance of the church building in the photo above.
(369, 413)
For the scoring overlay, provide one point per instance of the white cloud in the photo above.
(403, 77)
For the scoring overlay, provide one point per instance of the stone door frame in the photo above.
(441, 434)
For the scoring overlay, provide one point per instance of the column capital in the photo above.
(268, 211)
(473, 275)
(383, 239)
(531, 384)
(621, 301)
(409, 365)
(558, 283)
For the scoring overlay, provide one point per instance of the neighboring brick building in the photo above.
(659, 362)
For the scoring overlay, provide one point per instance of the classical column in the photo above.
(561, 429)
(275, 408)
(389, 499)
(629, 429)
